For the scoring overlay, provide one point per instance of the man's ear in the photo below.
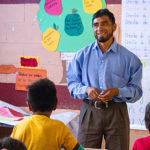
(114, 27)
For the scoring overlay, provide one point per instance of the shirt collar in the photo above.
(95, 46)
(113, 46)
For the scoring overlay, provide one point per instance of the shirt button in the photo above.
(102, 61)
(101, 87)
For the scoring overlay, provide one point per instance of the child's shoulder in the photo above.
(24, 121)
(57, 122)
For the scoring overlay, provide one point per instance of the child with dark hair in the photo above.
(144, 143)
(39, 132)
(8, 143)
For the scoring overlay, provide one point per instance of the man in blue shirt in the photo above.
(105, 75)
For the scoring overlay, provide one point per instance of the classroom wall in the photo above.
(20, 36)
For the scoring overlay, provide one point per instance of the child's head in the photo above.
(147, 116)
(41, 95)
(9, 143)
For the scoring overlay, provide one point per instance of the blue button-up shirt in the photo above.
(116, 68)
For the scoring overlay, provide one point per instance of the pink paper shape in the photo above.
(29, 62)
(10, 113)
(15, 113)
(4, 113)
(53, 7)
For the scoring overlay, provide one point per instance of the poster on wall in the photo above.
(135, 27)
(136, 38)
(26, 76)
(67, 24)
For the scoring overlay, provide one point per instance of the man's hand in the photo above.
(108, 94)
(93, 93)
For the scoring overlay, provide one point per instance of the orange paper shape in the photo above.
(25, 76)
(31, 62)
(7, 69)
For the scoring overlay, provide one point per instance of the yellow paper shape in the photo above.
(92, 6)
(50, 39)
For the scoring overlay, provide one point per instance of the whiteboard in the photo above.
(136, 37)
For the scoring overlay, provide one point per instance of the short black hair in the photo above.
(147, 116)
(11, 144)
(104, 12)
(41, 95)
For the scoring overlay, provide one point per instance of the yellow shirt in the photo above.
(39, 132)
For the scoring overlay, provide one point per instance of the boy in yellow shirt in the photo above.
(39, 132)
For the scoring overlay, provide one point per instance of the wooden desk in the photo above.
(5, 131)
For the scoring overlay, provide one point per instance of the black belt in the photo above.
(99, 104)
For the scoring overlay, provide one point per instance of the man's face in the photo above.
(103, 28)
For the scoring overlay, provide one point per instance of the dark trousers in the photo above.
(111, 122)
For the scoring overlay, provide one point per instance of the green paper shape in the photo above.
(8, 119)
(73, 25)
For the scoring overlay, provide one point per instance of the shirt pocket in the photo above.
(117, 81)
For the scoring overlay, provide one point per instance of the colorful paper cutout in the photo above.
(73, 24)
(92, 6)
(7, 119)
(9, 114)
(7, 69)
(68, 43)
(53, 7)
(15, 113)
(29, 62)
(50, 39)
(25, 76)
(4, 113)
